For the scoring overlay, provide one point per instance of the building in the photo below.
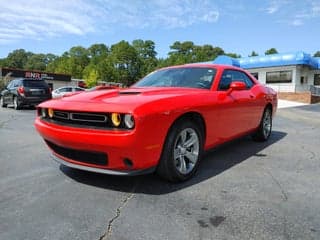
(53, 79)
(287, 72)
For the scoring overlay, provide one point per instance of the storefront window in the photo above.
(256, 75)
(317, 79)
(279, 77)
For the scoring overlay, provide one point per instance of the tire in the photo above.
(182, 152)
(16, 103)
(265, 126)
(2, 104)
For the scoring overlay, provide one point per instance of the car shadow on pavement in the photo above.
(214, 162)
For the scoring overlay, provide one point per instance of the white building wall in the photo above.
(279, 87)
(57, 84)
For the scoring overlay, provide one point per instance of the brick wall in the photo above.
(304, 97)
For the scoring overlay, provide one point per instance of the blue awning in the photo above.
(272, 60)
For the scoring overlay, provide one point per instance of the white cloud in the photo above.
(294, 13)
(38, 19)
(275, 5)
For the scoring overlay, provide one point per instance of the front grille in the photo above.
(80, 119)
(96, 158)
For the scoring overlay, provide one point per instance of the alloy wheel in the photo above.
(186, 150)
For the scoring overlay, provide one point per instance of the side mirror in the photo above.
(237, 86)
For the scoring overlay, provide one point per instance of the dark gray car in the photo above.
(25, 92)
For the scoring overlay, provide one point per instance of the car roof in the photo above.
(205, 65)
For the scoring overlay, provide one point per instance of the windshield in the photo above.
(191, 77)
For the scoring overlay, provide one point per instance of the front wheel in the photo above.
(265, 127)
(182, 152)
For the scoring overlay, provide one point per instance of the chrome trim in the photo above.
(105, 171)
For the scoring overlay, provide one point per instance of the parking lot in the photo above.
(243, 190)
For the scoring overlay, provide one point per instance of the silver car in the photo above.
(60, 92)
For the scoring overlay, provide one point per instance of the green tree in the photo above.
(18, 58)
(60, 64)
(206, 53)
(78, 60)
(317, 54)
(125, 61)
(253, 54)
(146, 53)
(181, 53)
(97, 53)
(271, 51)
(36, 62)
(90, 75)
(233, 55)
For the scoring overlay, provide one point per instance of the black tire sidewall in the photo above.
(166, 167)
(259, 135)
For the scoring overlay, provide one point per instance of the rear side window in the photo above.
(35, 84)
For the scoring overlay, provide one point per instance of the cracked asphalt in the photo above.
(243, 190)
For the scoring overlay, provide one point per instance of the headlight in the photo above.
(116, 119)
(43, 112)
(129, 121)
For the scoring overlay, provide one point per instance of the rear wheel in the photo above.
(182, 152)
(2, 104)
(265, 127)
(16, 103)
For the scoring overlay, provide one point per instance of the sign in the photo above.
(19, 73)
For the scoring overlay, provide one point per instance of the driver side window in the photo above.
(230, 76)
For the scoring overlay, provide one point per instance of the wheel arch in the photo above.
(269, 105)
(196, 118)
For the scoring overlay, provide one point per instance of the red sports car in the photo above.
(163, 123)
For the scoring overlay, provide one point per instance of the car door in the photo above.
(238, 108)
(8, 94)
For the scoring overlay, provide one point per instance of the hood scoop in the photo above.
(129, 93)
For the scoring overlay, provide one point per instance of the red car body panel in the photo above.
(226, 115)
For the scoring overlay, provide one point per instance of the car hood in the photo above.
(126, 100)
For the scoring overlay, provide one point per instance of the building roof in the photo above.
(272, 60)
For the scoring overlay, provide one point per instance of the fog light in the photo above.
(116, 119)
(129, 121)
(128, 163)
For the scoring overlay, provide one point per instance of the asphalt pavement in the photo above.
(242, 190)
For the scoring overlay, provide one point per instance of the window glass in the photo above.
(10, 85)
(78, 89)
(230, 76)
(316, 79)
(35, 83)
(279, 77)
(15, 83)
(191, 77)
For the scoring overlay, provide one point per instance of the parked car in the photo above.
(25, 92)
(163, 123)
(60, 92)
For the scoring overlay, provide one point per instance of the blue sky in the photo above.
(239, 26)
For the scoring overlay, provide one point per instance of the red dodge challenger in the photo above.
(162, 123)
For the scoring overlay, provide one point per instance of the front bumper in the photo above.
(138, 146)
(101, 170)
